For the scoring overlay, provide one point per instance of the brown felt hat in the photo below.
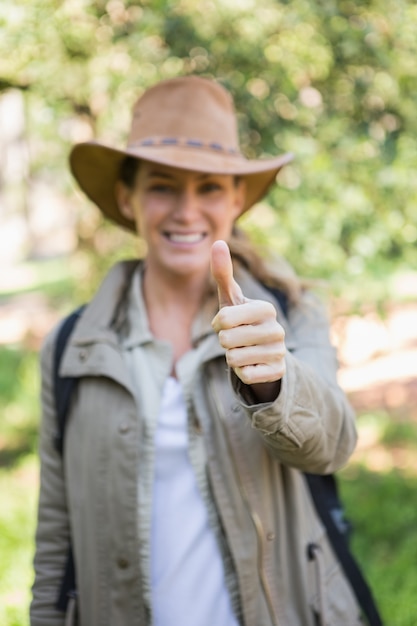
(187, 122)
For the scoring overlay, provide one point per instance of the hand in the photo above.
(247, 329)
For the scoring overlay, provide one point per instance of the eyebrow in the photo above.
(160, 174)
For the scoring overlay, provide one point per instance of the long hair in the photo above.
(268, 268)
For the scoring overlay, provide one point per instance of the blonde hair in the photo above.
(271, 270)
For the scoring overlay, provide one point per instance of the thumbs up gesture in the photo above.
(248, 330)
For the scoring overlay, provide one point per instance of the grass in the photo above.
(18, 489)
(19, 383)
(384, 515)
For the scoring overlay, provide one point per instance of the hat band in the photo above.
(184, 143)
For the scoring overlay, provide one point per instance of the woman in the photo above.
(200, 401)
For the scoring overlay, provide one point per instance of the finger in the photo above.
(258, 313)
(253, 312)
(273, 356)
(222, 270)
(262, 373)
(261, 335)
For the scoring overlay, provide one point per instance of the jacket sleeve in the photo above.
(310, 425)
(52, 535)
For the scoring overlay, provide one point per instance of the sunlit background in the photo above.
(335, 82)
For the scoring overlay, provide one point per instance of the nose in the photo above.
(187, 203)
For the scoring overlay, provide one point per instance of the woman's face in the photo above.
(180, 214)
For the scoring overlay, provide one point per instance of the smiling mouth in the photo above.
(185, 237)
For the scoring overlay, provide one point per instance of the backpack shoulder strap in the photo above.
(281, 297)
(323, 490)
(63, 387)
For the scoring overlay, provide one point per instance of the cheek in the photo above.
(226, 215)
(223, 226)
(148, 214)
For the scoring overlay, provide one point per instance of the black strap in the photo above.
(281, 297)
(63, 390)
(63, 387)
(323, 490)
(68, 586)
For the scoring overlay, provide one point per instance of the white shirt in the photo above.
(187, 573)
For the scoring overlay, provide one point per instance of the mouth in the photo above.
(185, 238)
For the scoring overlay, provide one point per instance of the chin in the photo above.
(188, 268)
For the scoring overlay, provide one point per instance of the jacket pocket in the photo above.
(332, 600)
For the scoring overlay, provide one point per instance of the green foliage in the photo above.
(19, 390)
(18, 500)
(382, 509)
(402, 433)
(332, 81)
(19, 385)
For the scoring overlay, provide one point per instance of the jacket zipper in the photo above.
(253, 514)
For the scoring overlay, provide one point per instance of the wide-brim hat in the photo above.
(188, 123)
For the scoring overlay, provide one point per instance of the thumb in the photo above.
(222, 270)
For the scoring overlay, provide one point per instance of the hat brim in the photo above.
(96, 168)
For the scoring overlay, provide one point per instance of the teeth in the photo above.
(185, 238)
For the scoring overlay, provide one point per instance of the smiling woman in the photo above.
(180, 214)
(177, 511)
(277, 276)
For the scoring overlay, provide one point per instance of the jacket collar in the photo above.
(137, 330)
(94, 346)
(116, 320)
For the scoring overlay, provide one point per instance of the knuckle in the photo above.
(280, 352)
(271, 309)
(231, 358)
(221, 316)
(278, 331)
(281, 370)
(268, 309)
(222, 338)
(244, 375)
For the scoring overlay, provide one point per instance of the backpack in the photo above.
(323, 489)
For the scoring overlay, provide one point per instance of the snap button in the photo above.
(122, 563)
(123, 428)
(270, 536)
(83, 354)
(236, 408)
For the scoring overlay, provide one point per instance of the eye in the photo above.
(163, 188)
(210, 186)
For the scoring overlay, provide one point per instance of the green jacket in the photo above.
(253, 456)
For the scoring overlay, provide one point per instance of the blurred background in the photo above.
(333, 81)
